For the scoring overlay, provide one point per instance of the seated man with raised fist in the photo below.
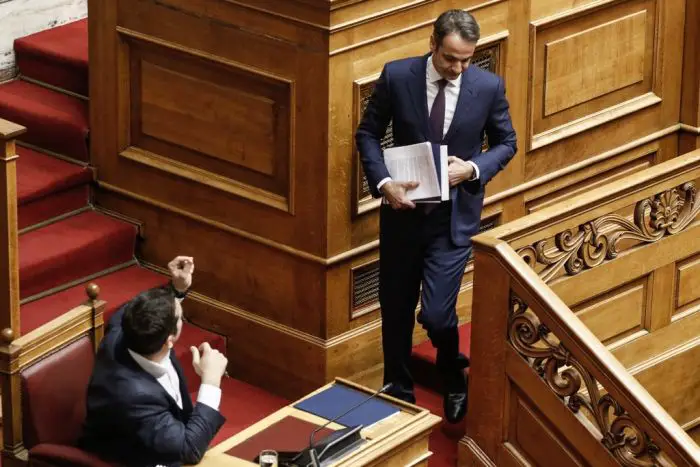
(139, 412)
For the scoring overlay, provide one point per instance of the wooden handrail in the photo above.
(585, 347)
(598, 202)
(9, 246)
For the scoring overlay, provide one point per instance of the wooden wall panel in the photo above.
(233, 122)
(688, 294)
(616, 314)
(533, 439)
(674, 381)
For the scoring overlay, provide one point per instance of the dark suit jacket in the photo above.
(400, 96)
(131, 419)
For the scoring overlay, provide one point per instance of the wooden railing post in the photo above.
(487, 384)
(9, 244)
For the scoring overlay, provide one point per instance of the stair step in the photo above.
(72, 248)
(56, 56)
(54, 121)
(424, 355)
(48, 187)
(116, 289)
(243, 405)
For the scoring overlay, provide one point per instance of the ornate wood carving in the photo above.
(565, 376)
(591, 244)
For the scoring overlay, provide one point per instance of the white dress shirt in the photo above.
(451, 95)
(164, 372)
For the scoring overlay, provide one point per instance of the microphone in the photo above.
(312, 450)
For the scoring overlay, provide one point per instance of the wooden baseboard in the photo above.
(470, 454)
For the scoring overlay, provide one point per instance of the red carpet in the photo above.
(54, 121)
(71, 249)
(242, 405)
(116, 289)
(444, 439)
(57, 56)
(48, 187)
(423, 359)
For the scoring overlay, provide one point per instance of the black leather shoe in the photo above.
(456, 397)
(455, 406)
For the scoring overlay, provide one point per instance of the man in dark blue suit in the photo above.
(442, 99)
(139, 412)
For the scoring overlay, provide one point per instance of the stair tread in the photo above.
(98, 242)
(116, 289)
(54, 121)
(39, 175)
(56, 56)
(425, 350)
(68, 42)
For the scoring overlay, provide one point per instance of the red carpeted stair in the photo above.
(71, 249)
(58, 57)
(424, 355)
(65, 240)
(48, 187)
(54, 121)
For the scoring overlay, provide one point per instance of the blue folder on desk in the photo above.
(337, 399)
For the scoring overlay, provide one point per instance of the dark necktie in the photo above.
(437, 113)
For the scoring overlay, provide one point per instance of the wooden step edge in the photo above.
(140, 226)
(52, 87)
(76, 282)
(53, 220)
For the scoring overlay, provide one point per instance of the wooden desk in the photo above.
(399, 440)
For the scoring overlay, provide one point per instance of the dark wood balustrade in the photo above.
(565, 370)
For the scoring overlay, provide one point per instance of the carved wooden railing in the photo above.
(18, 352)
(544, 390)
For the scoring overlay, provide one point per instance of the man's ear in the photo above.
(170, 342)
(433, 43)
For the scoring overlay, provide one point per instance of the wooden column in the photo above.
(690, 102)
(9, 247)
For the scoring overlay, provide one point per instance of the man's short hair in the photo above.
(149, 318)
(456, 21)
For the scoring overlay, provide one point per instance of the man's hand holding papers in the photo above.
(419, 173)
(395, 194)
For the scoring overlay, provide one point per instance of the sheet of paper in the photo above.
(416, 163)
(444, 177)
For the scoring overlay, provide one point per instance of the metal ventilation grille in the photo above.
(488, 224)
(365, 285)
(387, 142)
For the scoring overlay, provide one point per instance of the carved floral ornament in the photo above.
(592, 243)
(564, 375)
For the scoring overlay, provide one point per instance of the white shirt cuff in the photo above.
(382, 182)
(209, 395)
(475, 176)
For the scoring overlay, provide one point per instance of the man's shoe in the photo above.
(456, 397)
(455, 406)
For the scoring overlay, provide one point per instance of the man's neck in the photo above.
(158, 357)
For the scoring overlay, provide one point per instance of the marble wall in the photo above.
(19, 18)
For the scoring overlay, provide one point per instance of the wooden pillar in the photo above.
(487, 385)
(690, 101)
(9, 247)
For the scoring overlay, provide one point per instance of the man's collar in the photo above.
(433, 75)
(155, 369)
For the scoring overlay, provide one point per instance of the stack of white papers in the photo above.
(417, 163)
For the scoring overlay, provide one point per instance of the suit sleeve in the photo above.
(370, 132)
(501, 138)
(169, 439)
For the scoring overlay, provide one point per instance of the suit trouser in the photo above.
(416, 249)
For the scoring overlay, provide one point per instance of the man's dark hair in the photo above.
(149, 318)
(456, 21)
